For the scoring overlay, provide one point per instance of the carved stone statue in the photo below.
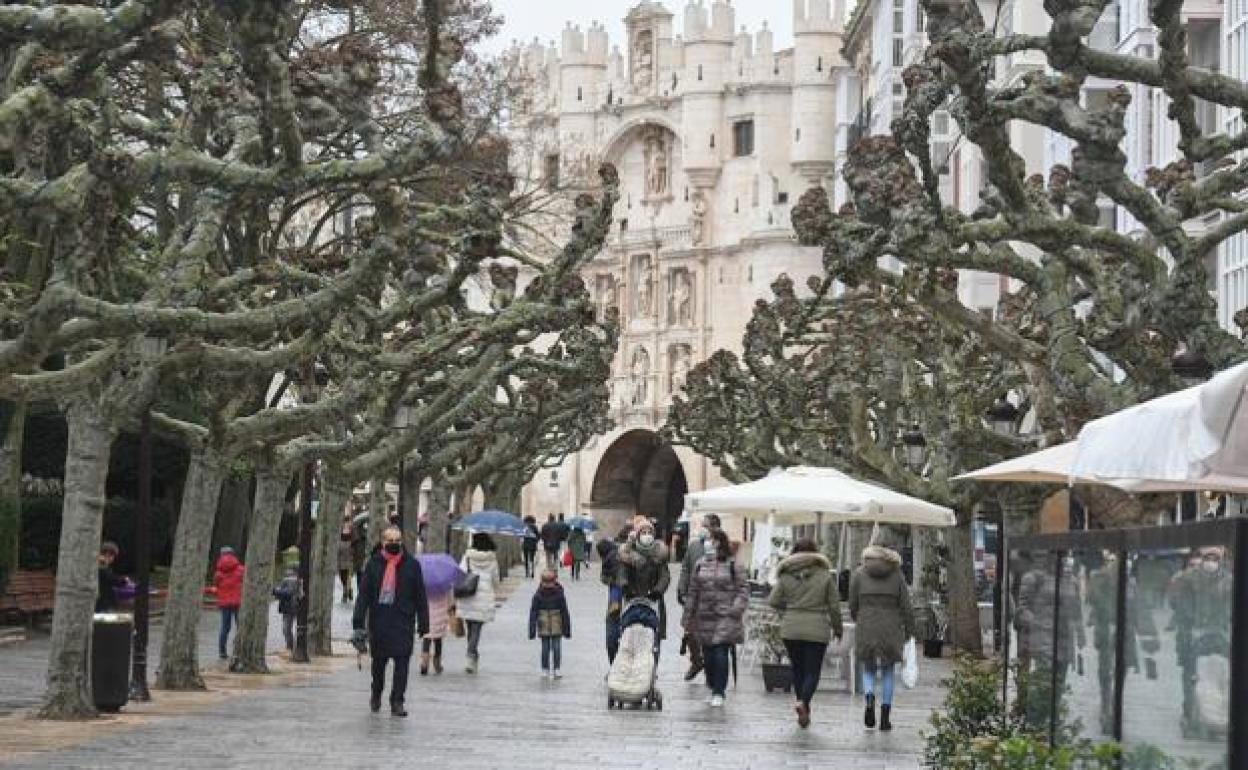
(656, 175)
(639, 375)
(680, 297)
(608, 298)
(697, 220)
(681, 361)
(645, 287)
(643, 61)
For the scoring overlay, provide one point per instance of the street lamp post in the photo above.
(914, 448)
(403, 418)
(1003, 417)
(150, 347)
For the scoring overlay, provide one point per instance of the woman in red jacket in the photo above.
(228, 580)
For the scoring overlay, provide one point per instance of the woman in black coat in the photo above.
(392, 614)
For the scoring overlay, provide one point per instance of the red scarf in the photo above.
(389, 581)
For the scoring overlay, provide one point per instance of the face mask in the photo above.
(1210, 565)
(394, 547)
(646, 540)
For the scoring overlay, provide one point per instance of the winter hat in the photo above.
(226, 549)
(549, 577)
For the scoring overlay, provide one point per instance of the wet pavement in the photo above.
(506, 716)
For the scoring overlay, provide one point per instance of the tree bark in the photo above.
(964, 631)
(377, 504)
(439, 515)
(179, 660)
(86, 475)
(253, 616)
(325, 566)
(11, 490)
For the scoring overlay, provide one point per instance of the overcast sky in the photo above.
(545, 18)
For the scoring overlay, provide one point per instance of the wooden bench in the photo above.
(29, 594)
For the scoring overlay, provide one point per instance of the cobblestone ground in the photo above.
(507, 716)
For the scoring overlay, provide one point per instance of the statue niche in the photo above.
(679, 362)
(657, 164)
(680, 297)
(643, 60)
(606, 295)
(643, 279)
(639, 377)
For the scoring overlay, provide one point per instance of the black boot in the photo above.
(885, 711)
(374, 702)
(397, 710)
(868, 718)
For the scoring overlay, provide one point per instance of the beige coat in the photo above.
(479, 606)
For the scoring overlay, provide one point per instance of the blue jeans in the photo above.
(715, 658)
(552, 646)
(885, 674)
(228, 616)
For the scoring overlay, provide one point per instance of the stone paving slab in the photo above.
(507, 716)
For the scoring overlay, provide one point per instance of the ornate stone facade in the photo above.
(715, 135)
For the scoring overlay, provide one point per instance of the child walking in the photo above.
(549, 619)
(288, 594)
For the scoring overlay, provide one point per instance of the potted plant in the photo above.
(776, 672)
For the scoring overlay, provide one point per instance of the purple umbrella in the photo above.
(440, 571)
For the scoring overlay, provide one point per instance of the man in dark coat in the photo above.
(551, 538)
(392, 607)
(106, 598)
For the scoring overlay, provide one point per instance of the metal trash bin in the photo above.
(111, 634)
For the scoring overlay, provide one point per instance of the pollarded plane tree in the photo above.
(838, 382)
(146, 149)
(1085, 302)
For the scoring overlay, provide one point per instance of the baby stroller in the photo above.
(632, 677)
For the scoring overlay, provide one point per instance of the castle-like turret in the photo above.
(582, 69)
(816, 56)
(708, 55)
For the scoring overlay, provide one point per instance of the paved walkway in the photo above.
(508, 717)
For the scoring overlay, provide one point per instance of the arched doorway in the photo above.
(639, 473)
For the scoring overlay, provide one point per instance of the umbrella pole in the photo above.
(819, 529)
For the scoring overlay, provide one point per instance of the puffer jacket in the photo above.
(479, 606)
(716, 603)
(643, 573)
(228, 578)
(879, 602)
(807, 599)
(548, 614)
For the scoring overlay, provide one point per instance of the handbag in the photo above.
(467, 585)
(910, 665)
(457, 624)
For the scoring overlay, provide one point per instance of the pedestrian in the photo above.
(576, 544)
(694, 551)
(390, 611)
(288, 592)
(715, 611)
(615, 603)
(550, 620)
(440, 572)
(478, 609)
(529, 546)
(879, 602)
(550, 542)
(108, 581)
(643, 571)
(346, 557)
(228, 579)
(809, 603)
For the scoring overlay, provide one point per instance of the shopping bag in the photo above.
(909, 665)
(567, 558)
(457, 624)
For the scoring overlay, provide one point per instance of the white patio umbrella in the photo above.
(1194, 438)
(805, 495)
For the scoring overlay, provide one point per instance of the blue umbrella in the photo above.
(583, 522)
(492, 522)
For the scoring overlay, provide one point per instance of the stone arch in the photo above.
(614, 147)
(639, 473)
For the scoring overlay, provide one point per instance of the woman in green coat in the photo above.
(576, 544)
(879, 602)
(809, 604)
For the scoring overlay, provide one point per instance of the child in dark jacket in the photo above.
(549, 619)
(288, 594)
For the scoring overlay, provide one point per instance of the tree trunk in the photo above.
(964, 632)
(232, 510)
(253, 616)
(325, 566)
(411, 481)
(14, 432)
(377, 505)
(179, 660)
(439, 516)
(82, 522)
